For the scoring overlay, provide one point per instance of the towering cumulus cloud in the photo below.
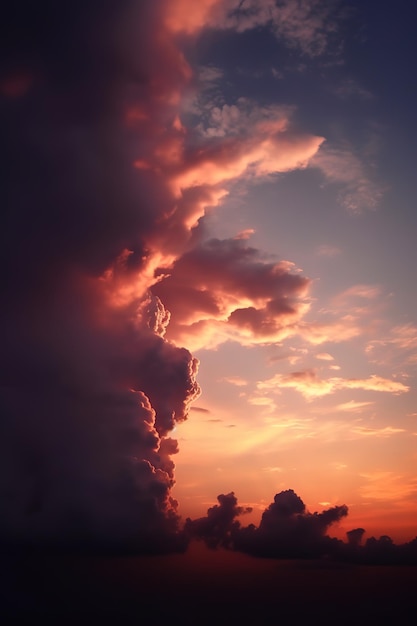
(90, 389)
(103, 193)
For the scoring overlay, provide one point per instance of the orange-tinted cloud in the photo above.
(309, 25)
(364, 292)
(346, 327)
(353, 406)
(311, 386)
(388, 486)
(324, 356)
(225, 290)
(260, 155)
(399, 343)
(187, 16)
(387, 431)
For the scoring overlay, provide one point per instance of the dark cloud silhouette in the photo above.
(355, 536)
(90, 389)
(216, 529)
(286, 529)
(381, 551)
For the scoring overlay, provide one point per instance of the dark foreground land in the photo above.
(203, 588)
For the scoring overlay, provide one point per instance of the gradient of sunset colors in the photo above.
(298, 300)
(209, 258)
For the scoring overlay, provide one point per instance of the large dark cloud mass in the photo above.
(90, 389)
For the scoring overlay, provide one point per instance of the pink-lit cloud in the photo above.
(365, 292)
(309, 25)
(327, 250)
(345, 328)
(260, 155)
(387, 431)
(400, 342)
(308, 383)
(353, 406)
(224, 290)
(358, 189)
(236, 381)
(324, 356)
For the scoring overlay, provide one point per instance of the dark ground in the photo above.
(203, 588)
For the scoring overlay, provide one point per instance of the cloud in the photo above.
(310, 26)
(216, 528)
(208, 74)
(242, 118)
(350, 88)
(327, 250)
(224, 290)
(264, 148)
(358, 189)
(311, 386)
(355, 536)
(388, 431)
(234, 142)
(324, 356)
(236, 381)
(345, 328)
(365, 292)
(90, 389)
(400, 342)
(388, 486)
(286, 530)
(335, 324)
(353, 406)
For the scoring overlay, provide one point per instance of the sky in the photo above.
(307, 370)
(209, 325)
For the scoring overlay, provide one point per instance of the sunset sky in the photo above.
(209, 257)
(307, 335)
